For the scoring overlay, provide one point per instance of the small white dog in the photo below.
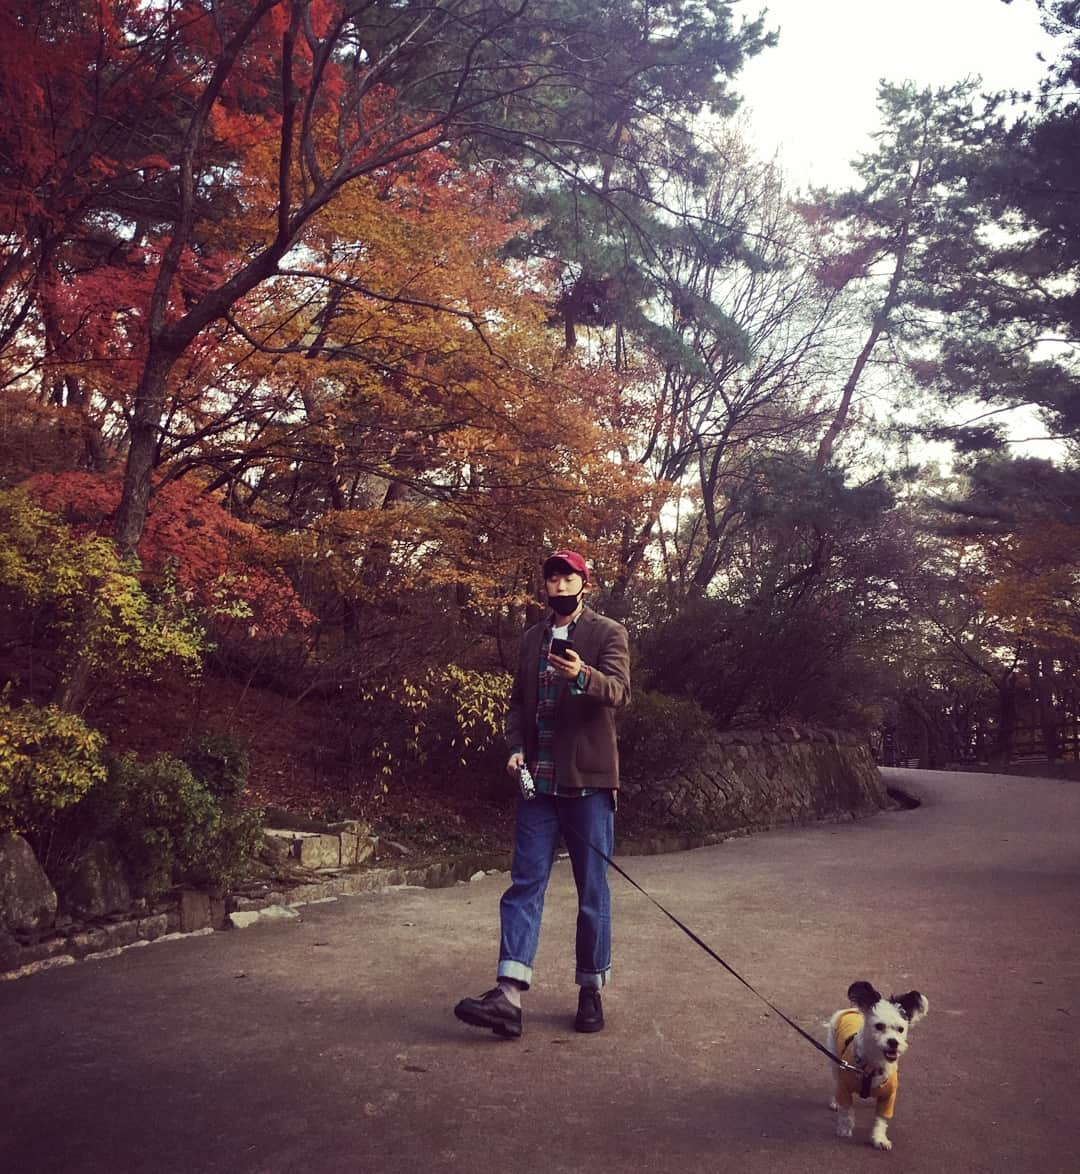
(871, 1036)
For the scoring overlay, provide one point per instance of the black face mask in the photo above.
(564, 605)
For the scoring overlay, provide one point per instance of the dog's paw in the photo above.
(878, 1138)
(832, 1104)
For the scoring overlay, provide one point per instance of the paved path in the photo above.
(329, 1045)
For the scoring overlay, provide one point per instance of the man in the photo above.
(561, 725)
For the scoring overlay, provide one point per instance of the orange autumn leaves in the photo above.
(446, 414)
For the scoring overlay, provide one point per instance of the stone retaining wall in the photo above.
(751, 780)
(185, 912)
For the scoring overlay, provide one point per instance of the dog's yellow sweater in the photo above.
(849, 1084)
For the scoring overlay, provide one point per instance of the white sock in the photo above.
(511, 990)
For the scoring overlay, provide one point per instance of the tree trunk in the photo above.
(931, 756)
(1041, 671)
(881, 320)
(1001, 755)
(142, 451)
(72, 693)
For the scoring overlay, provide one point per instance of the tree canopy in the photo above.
(328, 318)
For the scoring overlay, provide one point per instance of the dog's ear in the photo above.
(913, 1005)
(863, 995)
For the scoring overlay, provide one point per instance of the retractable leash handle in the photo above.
(716, 957)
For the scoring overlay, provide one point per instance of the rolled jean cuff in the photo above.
(508, 968)
(592, 978)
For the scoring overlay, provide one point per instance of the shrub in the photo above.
(170, 827)
(660, 736)
(221, 762)
(230, 851)
(48, 760)
(473, 705)
(449, 719)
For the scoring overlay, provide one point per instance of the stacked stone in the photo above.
(751, 780)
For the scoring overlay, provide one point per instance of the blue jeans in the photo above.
(581, 821)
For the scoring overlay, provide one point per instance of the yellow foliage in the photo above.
(96, 607)
(48, 760)
(1036, 582)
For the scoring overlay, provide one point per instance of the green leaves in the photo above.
(48, 760)
(170, 826)
(449, 716)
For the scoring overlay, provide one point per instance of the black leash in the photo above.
(716, 957)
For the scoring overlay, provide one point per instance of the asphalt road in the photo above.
(329, 1044)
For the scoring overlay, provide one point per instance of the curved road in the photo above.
(329, 1045)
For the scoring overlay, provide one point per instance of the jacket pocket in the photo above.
(595, 751)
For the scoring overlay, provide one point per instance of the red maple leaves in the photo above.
(226, 567)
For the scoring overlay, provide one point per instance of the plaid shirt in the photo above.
(546, 695)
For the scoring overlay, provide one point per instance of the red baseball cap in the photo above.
(568, 560)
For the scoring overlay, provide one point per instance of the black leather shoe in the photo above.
(590, 1011)
(493, 1009)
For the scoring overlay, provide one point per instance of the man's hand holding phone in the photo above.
(564, 659)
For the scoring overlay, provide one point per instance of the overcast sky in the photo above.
(813, 97)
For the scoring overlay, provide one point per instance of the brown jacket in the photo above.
(586, 752)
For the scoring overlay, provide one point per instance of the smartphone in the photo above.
(561, 647)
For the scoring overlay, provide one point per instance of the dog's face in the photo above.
(887, 1021)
